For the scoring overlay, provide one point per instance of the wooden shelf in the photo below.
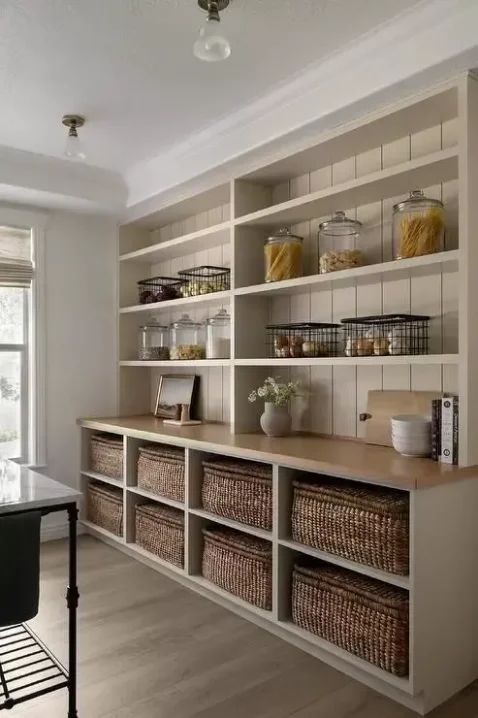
(354, 460)
(193, 242)
(395, 580)
(155, 559)
(437, 261)
(177, 363)
(102, 532)
(183, 303)
(253, 530)
(421, 172)
(105, 479)
(155, 497)
(418, 359)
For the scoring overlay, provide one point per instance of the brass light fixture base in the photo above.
(73, 121)
(221, 4)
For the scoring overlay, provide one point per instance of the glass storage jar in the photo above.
(218, 336)
(283, 254)
(153, 342)
(338, 239)
(418, 226)
(187, 339)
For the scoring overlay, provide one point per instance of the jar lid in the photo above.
(339, 220)
(222, 317)
(185, 322)
(416, 196)
(284, 233)
(155, 325)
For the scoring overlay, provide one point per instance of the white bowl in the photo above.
(415, 421)
(414, 446)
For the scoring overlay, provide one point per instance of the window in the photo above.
(16, 273)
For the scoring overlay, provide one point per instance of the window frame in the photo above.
(33, 349)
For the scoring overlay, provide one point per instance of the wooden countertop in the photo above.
(304, 452)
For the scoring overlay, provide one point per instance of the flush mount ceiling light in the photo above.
(211, 46)
(73, 146)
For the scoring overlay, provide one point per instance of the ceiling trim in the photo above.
(425, 45)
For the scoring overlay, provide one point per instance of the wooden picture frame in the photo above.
(175, 389)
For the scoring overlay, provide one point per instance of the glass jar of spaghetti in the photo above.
(418, 226)
(283, 256)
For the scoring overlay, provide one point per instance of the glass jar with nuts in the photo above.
(338, 238)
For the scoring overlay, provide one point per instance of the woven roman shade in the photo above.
(16, 267)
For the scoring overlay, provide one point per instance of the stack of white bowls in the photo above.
(412, 434)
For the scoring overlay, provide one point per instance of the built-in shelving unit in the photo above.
(428, 142)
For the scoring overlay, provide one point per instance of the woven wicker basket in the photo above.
(104, 507)
(369, 525)
(160, 530)
(361, 615)
(238, 490)
(106, 455)
(239, 564)
(161, 470)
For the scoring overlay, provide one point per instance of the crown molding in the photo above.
(425, 45)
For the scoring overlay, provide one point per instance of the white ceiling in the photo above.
(128, 66)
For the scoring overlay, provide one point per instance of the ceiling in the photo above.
(128, 66)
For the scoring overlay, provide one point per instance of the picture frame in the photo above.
(174, 389)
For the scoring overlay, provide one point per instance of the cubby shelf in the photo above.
(97, 530)
(183, 303)
(105, 479)
(418, 359)
(155, 497)
(395, 580)
(253, 530)
(193, 242)
(437, 261)
(421, 172)
(140, 551)
(229, 598)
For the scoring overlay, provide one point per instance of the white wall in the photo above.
(80, 260)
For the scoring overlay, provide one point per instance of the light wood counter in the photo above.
(336, 457)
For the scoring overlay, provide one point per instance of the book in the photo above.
(436, 429)
(449, 430)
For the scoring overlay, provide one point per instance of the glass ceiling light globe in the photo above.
(211, 46)
(74, 148)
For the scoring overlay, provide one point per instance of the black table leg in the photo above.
(72, 597)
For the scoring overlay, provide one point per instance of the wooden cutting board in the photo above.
(382, 405)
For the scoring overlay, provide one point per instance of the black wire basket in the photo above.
(386, 335)
(205, 280)
(159, 289)
(304, 339)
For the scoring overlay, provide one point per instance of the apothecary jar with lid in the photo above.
(218, 336)
(418, 226)
(153, 342)
(187, 339)
(339, 244)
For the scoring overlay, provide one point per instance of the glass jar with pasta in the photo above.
(418, 226)
(283, 256)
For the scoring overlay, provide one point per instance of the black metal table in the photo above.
(27, 668)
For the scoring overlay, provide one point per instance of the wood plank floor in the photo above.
(150, 648)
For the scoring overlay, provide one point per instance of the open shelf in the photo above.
(177, 363)
(155, 559)
(102, 478)
(155, 497)
(102, 532)
(253, 530)
(197, 241)
(416, 359)
(403, 684)
(217, 297)
(394, 579)
(438, 261)
(211, 588)
(421, 172)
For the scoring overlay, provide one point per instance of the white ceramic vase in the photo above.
(276, 420)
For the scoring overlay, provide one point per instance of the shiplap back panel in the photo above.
(335, 396)
(208, 218)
